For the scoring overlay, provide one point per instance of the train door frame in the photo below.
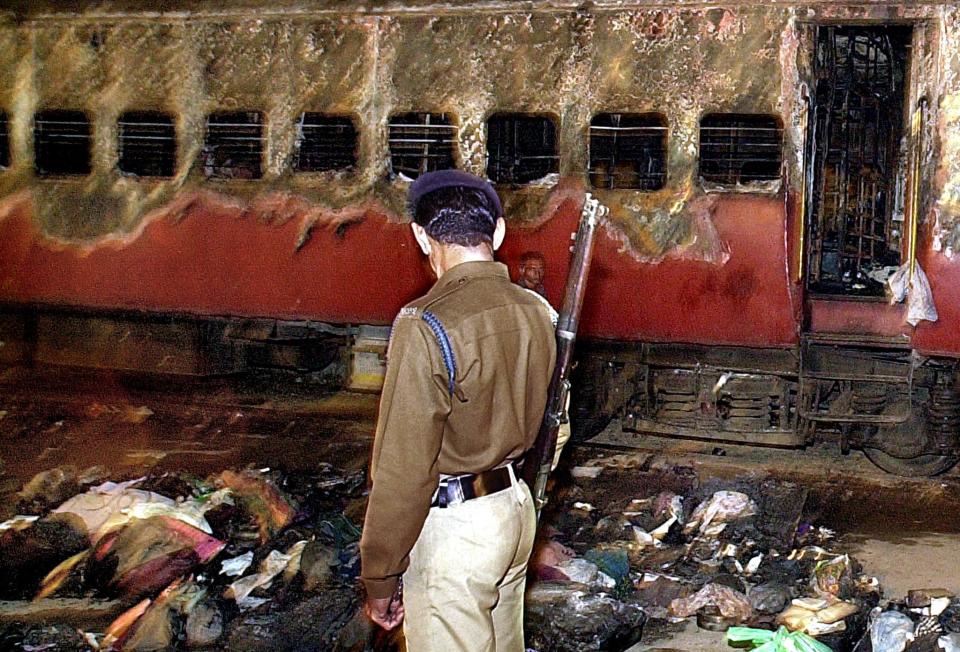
(860, 381)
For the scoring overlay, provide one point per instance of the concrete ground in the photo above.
(902, 530)
(688, 637)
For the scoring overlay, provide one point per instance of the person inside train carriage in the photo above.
(468, 368)
(532, 269)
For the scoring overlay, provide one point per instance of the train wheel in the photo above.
(583, 428)
(922, 466)
(907, 449)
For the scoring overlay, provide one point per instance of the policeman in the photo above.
(466, 385)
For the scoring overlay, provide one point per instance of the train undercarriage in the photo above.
(872, 394)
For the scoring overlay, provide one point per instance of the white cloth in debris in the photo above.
(100, 503)
(110, 505)
(916, 291)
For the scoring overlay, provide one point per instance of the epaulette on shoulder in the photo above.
(409, 312)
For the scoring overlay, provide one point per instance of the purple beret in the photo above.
(427, 183)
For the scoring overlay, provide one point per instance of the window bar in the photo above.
(61, 142)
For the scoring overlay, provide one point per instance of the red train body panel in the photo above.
(223, 262)
(218, 262)
(747, 301)
(943, 336)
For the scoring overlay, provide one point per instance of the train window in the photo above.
(61, 142)
(520, 148)
(147, 144)
(4, 141)
(325, 142)
(421, 142)
(628, 151)
(740, 148)
(233, 148)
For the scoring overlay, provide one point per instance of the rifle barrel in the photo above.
(537, 462)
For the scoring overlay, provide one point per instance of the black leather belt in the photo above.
(461, 488)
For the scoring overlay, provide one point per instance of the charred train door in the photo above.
(855, 225)
(859, 380)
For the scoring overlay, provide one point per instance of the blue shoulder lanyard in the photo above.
(446, 349)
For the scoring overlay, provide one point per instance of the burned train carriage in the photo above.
(219, 186)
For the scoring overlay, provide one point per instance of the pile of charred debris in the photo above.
(259, 559)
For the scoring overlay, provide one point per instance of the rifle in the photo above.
(539, 459)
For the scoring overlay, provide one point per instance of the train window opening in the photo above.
(147, 144)
(325, 142)
(856, 124)
(740, 148)
(233, 148)
(61, 142)
(628, 151)
(4, 141)
(421, 142)
(521, 148)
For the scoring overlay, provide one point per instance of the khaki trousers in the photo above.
(463, 590)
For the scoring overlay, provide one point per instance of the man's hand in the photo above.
(386, 612)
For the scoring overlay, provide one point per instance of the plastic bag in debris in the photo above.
(781, 640)
(274, 564)
(664, 504)
(831, 575)
(564, 618)
(613, 562)
(731, 603)
(590, 472)
(891, 631)
(584, 572)
(949, 643)
(769, 598)
(712, 515)
(237, 565)
(817, 616)
(916, 291)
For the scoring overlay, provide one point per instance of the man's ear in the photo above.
(499, 232)
(421, 237)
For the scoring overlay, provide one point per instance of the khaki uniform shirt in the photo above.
(505, 349)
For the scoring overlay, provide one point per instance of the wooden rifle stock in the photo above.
(539, 459)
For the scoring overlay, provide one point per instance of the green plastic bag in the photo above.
(781, 640)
